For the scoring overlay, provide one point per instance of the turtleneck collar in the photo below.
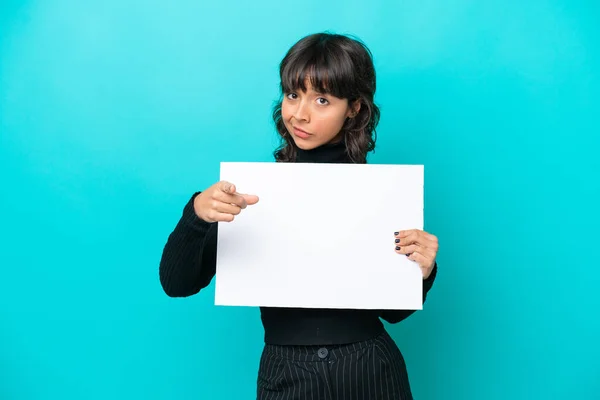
(327, 153)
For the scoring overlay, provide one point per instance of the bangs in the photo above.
(328, 70)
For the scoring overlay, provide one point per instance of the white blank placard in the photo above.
(321, 236)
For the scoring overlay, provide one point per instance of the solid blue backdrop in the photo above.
(112, 113)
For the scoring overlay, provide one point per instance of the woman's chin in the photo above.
(304, 144)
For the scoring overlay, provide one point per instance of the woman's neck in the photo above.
(327, 153)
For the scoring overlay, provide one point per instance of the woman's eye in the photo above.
(291, 96)
(322, 101)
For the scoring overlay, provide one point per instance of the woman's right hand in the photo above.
(221, 203)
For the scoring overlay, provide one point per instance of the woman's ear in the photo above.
(354, 108)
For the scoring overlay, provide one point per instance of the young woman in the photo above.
(326, 115)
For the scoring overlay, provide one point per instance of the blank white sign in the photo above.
(321, 236)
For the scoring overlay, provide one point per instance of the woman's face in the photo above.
(314, 119)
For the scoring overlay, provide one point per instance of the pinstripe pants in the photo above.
(372, 369)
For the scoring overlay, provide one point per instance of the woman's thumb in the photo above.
(227, 187)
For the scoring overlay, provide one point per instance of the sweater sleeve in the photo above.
(188, 261)
(395, 316)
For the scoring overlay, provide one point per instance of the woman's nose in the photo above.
(301, 112)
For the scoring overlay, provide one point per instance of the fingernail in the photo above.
(397, 247)
(397, 240)
(396, 233)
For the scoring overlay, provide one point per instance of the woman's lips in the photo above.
(301, 134)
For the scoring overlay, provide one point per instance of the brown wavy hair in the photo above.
(343, 67)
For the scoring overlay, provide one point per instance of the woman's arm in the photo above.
(188, 260)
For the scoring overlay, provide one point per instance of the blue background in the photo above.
(113, 112)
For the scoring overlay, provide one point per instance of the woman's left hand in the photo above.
(420, 247)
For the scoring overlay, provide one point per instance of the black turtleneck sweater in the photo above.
(188, 265)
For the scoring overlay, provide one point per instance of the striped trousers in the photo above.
(370, 370)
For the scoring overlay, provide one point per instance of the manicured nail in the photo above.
(397, 240)
(397, 248)
(396, 233)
